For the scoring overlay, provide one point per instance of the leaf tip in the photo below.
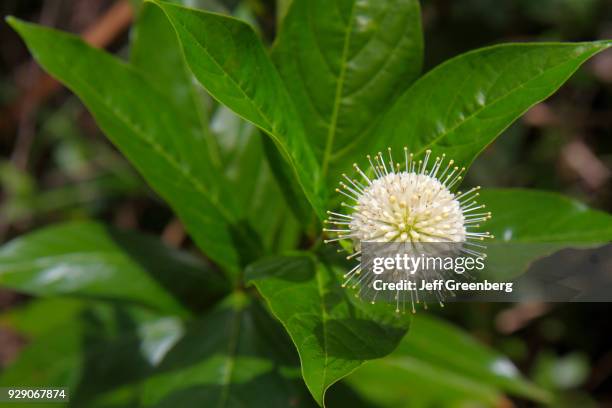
(17, 24)
(12, 21)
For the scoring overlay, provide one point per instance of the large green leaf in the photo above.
(345, 62)
(234, 145)
(260, 200)
(86, 259)
(98, 351)
(237, 356)
(531, 224)
(439, 365)
(154, 51)
(333, 335)
(539, 216)
(227, 57)
(462, 105)
(156, 137)
(234, 356)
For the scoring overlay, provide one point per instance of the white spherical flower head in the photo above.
(411, 204)
(407, 207)
(407, 201)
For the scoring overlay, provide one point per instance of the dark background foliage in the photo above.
(56, 165)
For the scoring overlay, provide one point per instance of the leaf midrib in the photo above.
(157, 148)
(324, 318)
(331, 134)
(226, 381)
(493, 102)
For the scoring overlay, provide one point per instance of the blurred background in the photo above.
(56, 165)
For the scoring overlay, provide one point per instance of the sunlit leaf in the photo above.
(345, 62)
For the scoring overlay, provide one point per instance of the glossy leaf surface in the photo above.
(332, 335)
(89, 260)
(345, 62)
(236, 356)
(461, 106)
(227, 57)
(159, 142)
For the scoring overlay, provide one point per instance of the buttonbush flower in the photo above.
(408, 202)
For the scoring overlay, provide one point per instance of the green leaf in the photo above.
(539, 216)
(437, 364)
(228, 59)
(234, 146)
(85, 259)
(332, 335)
(154, 136)
(462, 105)
(344, 63)
(531, 224)
(98, 351)
(236, 356)
(260, 200)
(154, 51)
(36, 318)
